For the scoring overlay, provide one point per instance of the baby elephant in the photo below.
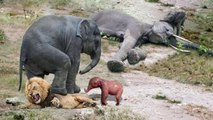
(107, 87)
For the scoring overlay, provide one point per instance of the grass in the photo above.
(27, 115)
(113, 113)
(160, 96)
(152, 1)
(3, 37)
(203, 33)
(186, 68)
(9, 57)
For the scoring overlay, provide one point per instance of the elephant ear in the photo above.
(83, 29)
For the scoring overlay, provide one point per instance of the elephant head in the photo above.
(93, 83)
(91, 42)
(162, 32)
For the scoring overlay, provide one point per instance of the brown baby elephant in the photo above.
(107, 87)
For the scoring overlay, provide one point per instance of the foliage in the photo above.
(3, 37)
(202, 49)
(180, 45)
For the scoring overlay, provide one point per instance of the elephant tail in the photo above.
(21, 64)
(20, 74)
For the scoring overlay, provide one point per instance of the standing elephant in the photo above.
(134, 33)
(108, 87)
(53, 44)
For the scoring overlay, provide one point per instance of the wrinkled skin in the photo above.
(107, 88)
(53, 44)
(134, 33)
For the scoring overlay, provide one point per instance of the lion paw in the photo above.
(56, 102)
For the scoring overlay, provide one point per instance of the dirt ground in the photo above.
(141, 94)
(194, 102)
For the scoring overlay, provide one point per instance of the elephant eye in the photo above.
(96, 31)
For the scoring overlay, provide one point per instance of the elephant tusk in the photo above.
(181, 50)
(184, 39)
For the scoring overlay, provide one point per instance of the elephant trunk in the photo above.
(210, 52)
(198, 48)
(86, 90)
(95, 59)
(179, 42)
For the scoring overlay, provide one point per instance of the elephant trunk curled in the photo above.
(95, 59)
(87, 89)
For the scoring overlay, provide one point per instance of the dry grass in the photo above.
(186, 68)
(113, 113)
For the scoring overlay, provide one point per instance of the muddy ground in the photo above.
(150, 97)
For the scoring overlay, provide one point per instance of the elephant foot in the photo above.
(115, 66)
(77, 89)
(70, 90)
(133, 57)
(59, 91)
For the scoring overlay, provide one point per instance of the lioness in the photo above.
(38, 93)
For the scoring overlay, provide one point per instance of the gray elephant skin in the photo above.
(133, 34)
(53, 44)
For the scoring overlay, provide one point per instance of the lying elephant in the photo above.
(53, 44)
(134, 33)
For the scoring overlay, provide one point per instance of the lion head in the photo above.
(36, 90)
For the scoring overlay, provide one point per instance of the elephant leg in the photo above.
(31, 74)
(104, 96)
(51, 60)
(119, 34)
(71, 78)
(136, 55)
(118, 97)
(116, 63)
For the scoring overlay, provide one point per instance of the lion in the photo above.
(38, 93)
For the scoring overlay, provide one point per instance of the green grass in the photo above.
(203, 33)
(160, 96)
(113, 113)
(27, 115)
(186, 68)
(9, 57)
(3, 37)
